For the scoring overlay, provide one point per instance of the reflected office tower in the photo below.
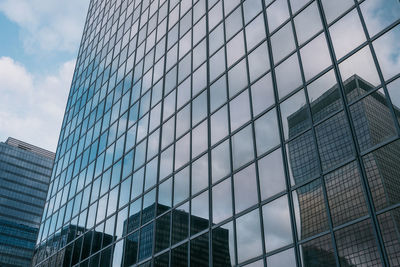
(230, 133)
(373, 121)
(136, 249)
(89, 241)
(24, 178)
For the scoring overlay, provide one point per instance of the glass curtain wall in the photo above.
(230, 133)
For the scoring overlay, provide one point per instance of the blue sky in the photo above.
(39, 41)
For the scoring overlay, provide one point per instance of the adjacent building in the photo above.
(229, 133)
(24, 178)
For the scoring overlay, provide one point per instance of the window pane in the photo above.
(199, 251)
(222, 201)
(285, 258)
(235, 48)
(165, 194)
(347, 34)
(303, 158)
(262, 94)
(182, 151)
(219, 125)
(248, 236)
(179, 256)
(287, 83)
(350, 250)
(387, 52)
(200, 174)
(277, 226)
(345, 194)
(359, 67)
(200, 213)
(258, 62)
(251, 8)
(333, 9)
(334, 140)
(245, 184)
(282, 42)
(372, 119)
(271, 174)
(327, 85)
(217, 64)
(220, 161)
(223, 245)
(180, 223)
(307, 23)
(379, 14)
(381, 167)
(218, 95)
(237, 77)
(310, 209)
(255, 31)
(242, 147)
(239, 110)
(389, 230)
(162, 237)
(318, 251)
(181, 186)
(295, 117)
(233, 23)
(315, 57)
(277, 13)
(267, 134)
(199, 138)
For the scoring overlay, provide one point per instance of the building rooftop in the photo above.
(31, 148)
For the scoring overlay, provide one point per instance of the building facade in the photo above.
(25, 172)
(230, 133)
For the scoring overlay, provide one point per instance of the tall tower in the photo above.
(25, 172)
(229, 133)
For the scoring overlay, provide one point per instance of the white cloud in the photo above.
(32, 107)
(47, 25)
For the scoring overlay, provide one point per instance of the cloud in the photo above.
(32, 107)
(47, 25)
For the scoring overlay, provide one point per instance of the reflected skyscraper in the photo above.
(373, 121)
(24, 178)
(136, 249)
(90, 242)
(230, 133)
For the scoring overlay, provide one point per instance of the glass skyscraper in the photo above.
(230, 133)
(24, 178)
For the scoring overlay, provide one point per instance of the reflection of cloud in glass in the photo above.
(222, 201)
(379, 14)
(271, 174)
(388, 52)
(362, 64)
(285, 258)
(277, 226)
(248, 236)
(245, 184)
(277, 13)
(220, 161)
(347, 34)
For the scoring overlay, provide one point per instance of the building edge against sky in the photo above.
(24, 179)
(227, 132)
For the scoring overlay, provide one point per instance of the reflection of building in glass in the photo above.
(24, 178)
(372, 120)
(137, 249)
(88, 241)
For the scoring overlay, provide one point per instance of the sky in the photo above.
(39, 42)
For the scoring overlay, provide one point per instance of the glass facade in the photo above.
(24, 178)
(230, 133)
